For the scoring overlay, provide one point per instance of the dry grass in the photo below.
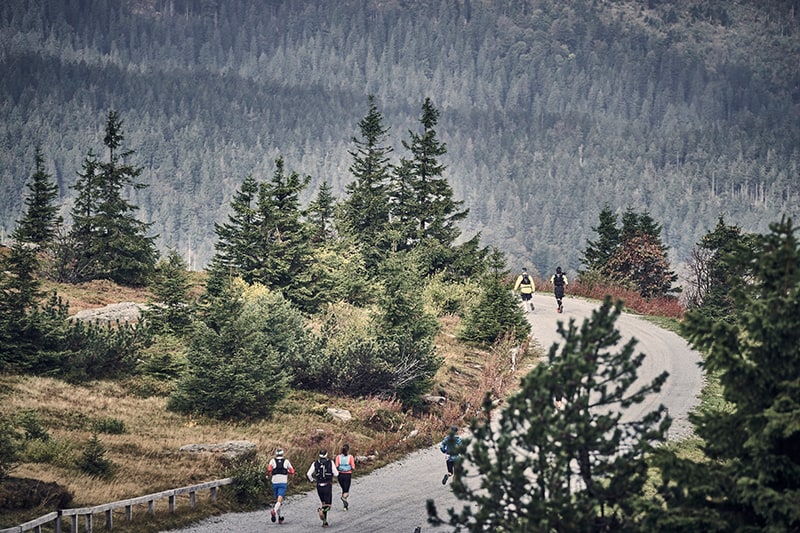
(94, 294)
(146, 456)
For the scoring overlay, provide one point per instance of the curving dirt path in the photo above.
(392, 499)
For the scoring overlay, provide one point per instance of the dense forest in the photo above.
(550, 110)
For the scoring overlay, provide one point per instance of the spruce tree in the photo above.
(408, 331)
(76, 256)
(364, 213)
(597, 253)
(237, 354)
(38, 224)
(19, 295)
(114, 243)
(285, 240)
(578, 467)
(713, 276)
(238, 239)
(170, 312)
(321, 214)
(750, 480)
(497, 311)
(432, 214)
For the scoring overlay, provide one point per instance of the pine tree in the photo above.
(433, 210)
(19, 294)
(285, 240)
(77, 258)
(497, 311)
(236, 356)
(114, 243)
(751, 478)
(170, 312)
(364, 214)
(39, 223)
(321, 213)
(713, 276)
(238, 239)
(633, 256)
(408, 331)
(597, 253)
(580, 467)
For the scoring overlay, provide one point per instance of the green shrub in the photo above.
(93, 460)
(109, 425)
(250, 483)
(53, 452)
(449, 298)
(9, 447)
(31, 424)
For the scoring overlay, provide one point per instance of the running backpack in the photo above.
(525, 280)
(323, 470)
(280, 467)
(344, 464)
(558, 280)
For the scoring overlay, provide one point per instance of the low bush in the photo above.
(250, 483)
(109, 425)
(52, 451)
(93, 460)
(32, 425)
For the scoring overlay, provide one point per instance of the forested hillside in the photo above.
(550, 109)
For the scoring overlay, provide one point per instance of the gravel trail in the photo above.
(392, 498)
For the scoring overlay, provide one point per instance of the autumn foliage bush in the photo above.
(666, 306)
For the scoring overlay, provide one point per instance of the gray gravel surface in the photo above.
(392, 498)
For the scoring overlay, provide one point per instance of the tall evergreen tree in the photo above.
(321, 213)
(364, 213)
(713, 277)
(114, 241)
(285, 240)
(577, 468)
(750, 480)
(597, 253)
(434, 212)
(77, 258)
(38, 224)
(238, 239)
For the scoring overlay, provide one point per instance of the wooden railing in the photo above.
(74, 515)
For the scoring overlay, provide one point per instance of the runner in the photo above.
(559, 281)
(450, 447)
(323, 472)
(345, 464)
(278, 471)
(526, 288)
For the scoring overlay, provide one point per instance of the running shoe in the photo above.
(344, 503)
(444, 479)
(280, 520)
(272, 515)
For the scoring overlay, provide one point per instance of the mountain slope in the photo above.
(549, 109)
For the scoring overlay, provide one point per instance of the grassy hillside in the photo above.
(142, 439)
